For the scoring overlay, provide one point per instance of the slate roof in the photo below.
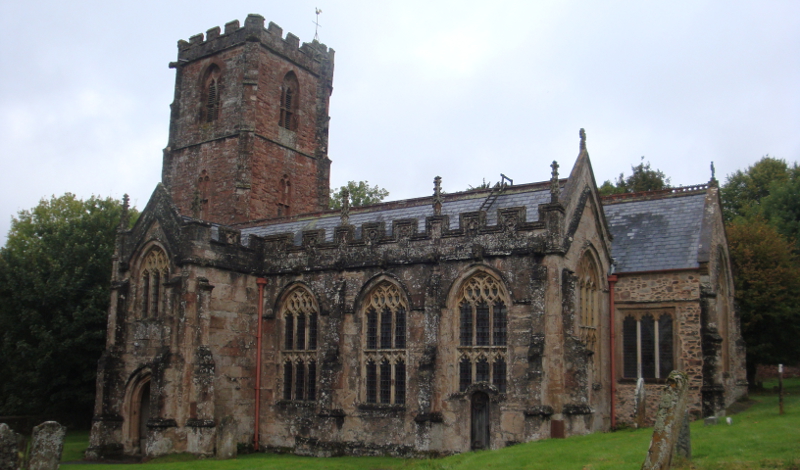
(656, 234)
(419, 211)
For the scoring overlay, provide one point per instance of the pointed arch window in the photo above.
(211, 94)
(154, 273)
(483, 332)
(385, 338)
(289, 102)
(300, 314)
(589, 301)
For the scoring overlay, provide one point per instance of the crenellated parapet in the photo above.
(314, 56)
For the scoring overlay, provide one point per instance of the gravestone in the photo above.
(640, 405)
(683, 448)
(226, 438)
(669, 421)
(9, 450)
(47, 443)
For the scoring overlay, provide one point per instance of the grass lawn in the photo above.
(758, 439)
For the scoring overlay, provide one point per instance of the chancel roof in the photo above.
(656, 233)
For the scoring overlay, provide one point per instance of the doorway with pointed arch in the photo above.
(139, 406)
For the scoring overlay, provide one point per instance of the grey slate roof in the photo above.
(656, 234)
(529, 199)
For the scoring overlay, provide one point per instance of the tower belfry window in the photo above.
(210, 95)
(289, 89)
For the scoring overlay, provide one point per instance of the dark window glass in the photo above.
(465, 374)
(665, 345)
(499, 374)
(500, 324)
(400, 383)
(300, 343)
(312, 331)
(482, 324)
(287, 381)
(400, 329)
(287, 112)
(648, 347)
(466, 324)
(154, 294)
(386, 329)
(146, 294)
(212, 100)
(372, 329)
(629, 356)
(386, 382)
(482, 370)
(372, 382)
(300, 381)
(312, 380)
(289, 333)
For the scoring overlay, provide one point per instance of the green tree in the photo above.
(642, 178)
(782, 207)
(743, 190)
(361, 194)
(767, 283)
(55, 272)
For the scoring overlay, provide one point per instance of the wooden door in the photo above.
(480, 421)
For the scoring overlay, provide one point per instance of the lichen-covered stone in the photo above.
(47, 443)
(670, 421)
(9, 450)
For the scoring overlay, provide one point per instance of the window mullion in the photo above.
(638, 348)
(658, 361)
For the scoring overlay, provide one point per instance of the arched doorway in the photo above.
(144, 415)
(138, 413)
(480, 421)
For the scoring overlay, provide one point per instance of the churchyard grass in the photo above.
(758, 439)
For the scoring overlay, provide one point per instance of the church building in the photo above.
(242, 306)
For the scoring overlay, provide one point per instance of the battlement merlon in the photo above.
(312, 56)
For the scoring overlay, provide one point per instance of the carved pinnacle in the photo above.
(345, 207)
(437, 195)
(555, 191)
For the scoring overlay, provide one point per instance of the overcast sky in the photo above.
(464, 90)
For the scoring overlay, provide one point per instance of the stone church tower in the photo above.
(248, 135)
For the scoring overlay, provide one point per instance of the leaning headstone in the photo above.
(9, 450)
(669, 420)
(640, 405)
(47, 443)
(683, 448)
(226, 438)
(710, 421)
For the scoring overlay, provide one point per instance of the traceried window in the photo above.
(647, 344)
(154, 273)
(483, 332)
(289, 99)
(299, 351)
(385, 314)
(588, 302)
(210, 95)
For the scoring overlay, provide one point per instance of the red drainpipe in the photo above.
(612, 280)
(261, 283)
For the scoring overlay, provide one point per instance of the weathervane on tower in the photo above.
(317, 11)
